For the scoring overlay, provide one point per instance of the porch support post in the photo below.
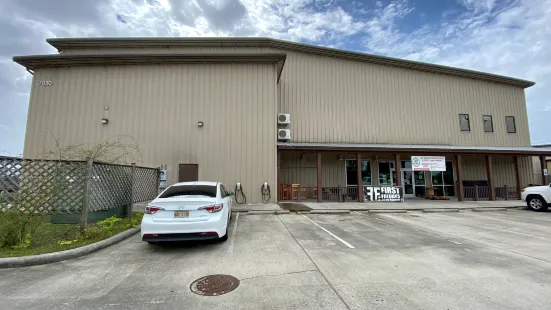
(359, 177)
(279, 188)
(543, 166)
(459, 174)
(398, 167)
(489, 177)
(318, 169)
(517, 175)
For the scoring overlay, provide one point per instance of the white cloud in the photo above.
(510, 37)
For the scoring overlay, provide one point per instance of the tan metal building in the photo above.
(208, 109)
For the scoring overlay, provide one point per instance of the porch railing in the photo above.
(483, 192)
(336, 194)
(299, 193)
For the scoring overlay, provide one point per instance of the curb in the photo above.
(439, 210)
(387, 211)
(41, 259)
(259, 212)
(489, 209)
(329, 212)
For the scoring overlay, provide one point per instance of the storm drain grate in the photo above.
(214, 285)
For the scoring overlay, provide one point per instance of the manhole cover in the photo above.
(214, 285)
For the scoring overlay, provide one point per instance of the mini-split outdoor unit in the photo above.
(284, 134)
(283, 119)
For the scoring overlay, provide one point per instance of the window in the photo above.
(351, 174)
(464, 122)
(223, 191)
(443, 182)
(385, 173)
(510, 122)
(190, 190)
(488, 123)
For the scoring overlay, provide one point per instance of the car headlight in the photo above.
(522, 191)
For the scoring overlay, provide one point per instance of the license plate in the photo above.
(180, 214)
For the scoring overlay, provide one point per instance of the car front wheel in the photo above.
(536, 203)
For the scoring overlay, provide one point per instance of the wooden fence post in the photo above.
(506, 192)
(476, 193)
(86, 195)
(132, 180)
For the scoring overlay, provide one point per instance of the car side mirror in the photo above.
(230, 194)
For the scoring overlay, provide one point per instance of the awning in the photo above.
(415, 148)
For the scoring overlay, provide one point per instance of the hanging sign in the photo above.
(544, 171)
(428, 163)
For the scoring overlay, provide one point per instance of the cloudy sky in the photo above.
(509, 37)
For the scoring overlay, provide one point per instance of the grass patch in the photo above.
(49, 237)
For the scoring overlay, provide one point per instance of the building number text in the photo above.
(45, 83)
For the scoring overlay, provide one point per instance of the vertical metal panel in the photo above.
(335, 100)
(474, 168)
(159, 106)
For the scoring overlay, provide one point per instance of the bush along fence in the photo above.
(74, 191)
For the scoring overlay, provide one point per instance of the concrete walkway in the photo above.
(408, 205)
(411, 205)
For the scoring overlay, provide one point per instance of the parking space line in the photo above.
(420, 230)
(234, 231)
(330, 233)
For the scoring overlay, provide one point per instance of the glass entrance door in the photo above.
(407, 183)
(419, 182)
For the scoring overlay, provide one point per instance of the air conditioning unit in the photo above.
(284, 134)
(283, 119)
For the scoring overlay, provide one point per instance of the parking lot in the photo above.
(414, 260)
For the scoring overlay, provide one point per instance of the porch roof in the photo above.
(415, 148)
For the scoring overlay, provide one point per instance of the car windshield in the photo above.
(190, 190)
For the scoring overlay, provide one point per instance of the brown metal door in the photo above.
(188, 173)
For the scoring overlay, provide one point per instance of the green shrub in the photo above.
(109, 222)
(17, 227)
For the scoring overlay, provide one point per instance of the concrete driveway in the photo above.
(460, 260)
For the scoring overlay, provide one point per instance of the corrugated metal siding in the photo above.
(159, 106)
(336, 100)
(537, 170)
(341, 101)
(295, 170)
(503, 169)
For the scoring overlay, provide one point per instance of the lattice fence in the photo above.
(50, 187)
(146, 184)
(111, 187)
(41, 186)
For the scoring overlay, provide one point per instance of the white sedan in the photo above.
(188, 211)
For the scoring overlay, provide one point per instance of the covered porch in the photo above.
(330, 172)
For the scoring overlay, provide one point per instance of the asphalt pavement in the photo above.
(414, 260)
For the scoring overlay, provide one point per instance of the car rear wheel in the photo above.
(536, 203)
